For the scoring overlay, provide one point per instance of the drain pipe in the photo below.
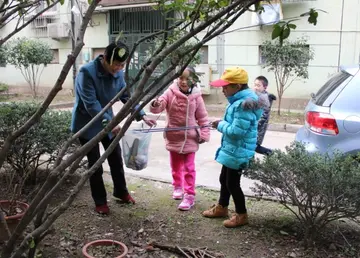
(341, 33)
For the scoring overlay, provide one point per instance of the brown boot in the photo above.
(216, 211)
(236, 220)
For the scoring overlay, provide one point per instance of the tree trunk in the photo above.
(279, 105)
(40, 201)
(7, 250)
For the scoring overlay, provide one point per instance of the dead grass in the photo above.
(155, 217)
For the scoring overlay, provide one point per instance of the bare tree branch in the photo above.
(4, 223)
(37, 232)
(3, 40)
(36, 117)
(294, 79)
(196, 14)
(125, 110)
(137, 43)
(15, 10)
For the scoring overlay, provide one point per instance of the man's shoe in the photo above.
(102, 209)
(216, 211)
(125, 199)
(236, 220)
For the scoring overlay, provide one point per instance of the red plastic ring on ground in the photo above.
(105, 242)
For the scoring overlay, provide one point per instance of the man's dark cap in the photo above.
(117, 52)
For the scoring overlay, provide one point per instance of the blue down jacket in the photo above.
(239, 129)
(94, 88)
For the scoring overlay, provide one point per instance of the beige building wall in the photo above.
(96, 38)
(337, 34)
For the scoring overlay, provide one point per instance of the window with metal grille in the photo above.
(136, 20)
(134, 24)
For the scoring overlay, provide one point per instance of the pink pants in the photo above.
(183, 171)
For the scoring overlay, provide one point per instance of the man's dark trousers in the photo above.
(115, 161)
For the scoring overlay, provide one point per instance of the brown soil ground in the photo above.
(155, 218)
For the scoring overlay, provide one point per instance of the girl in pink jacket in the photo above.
(185, 107)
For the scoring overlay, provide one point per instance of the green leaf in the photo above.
(223, 3)
(292, 26)
(32, 244)
(89, 1)
(313, 19)
(285, 33)
(313, 15)
(62, 2)
(259, 8)
(276, 31)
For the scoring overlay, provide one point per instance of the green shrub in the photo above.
(317, 189)
(3, 87)
(44, 138)
(3, 53)
(30, 56)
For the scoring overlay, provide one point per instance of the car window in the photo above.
(332, 88)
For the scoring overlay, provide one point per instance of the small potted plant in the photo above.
(11, 212)
(105, 248)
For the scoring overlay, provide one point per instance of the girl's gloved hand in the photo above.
(156, 103)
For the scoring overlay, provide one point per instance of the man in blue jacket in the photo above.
(238, 143)
(96, 84)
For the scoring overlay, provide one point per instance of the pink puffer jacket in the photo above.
(183, 111)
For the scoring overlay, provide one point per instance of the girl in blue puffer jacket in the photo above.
(238, 143)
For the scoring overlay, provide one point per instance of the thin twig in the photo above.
(3, 40)
(183, 252)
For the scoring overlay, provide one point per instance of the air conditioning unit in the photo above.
(204, 72)
(58, 30)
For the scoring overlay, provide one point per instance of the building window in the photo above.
(262, 58)
(55, 56)
(204, 55)
(39, 25)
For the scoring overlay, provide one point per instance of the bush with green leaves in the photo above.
(3, 51)
(42, 141)
(30, 56)
(316, 188)
(3, 87)
(288, 60)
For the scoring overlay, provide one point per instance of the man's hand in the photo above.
(116, 130)
(149, 122)
(215, 124)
